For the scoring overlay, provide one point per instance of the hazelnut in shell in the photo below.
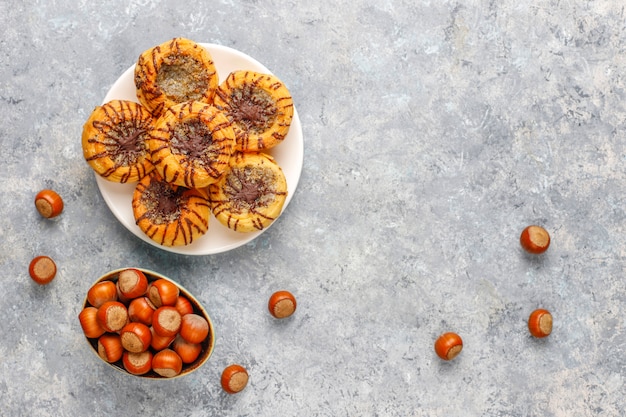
(282, 304)
(535, 239)
(234, 378)
(48, 203)
(540, 323)
(42, 270)
(448, 346)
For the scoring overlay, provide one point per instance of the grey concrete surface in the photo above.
(434, 131)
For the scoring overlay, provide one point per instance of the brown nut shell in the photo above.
(282, 304)
(48, 203)
(110, 347)
(139, 363)
(136, 337)
(535, 239)
(167, 363)
(540, 323)
(89, 322)
(166, 321)
(448, 346)
(42, 269)
(132, 283)
(101, 292)
(112, 316)
(234, 378)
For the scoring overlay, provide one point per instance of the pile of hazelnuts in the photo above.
(145, 326)
(534, 240)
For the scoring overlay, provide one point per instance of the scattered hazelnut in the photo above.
(42, 270)
(448, 346)
(540, 323)
(48, 203)
(535, 239)
(234, 378)
(282, 304)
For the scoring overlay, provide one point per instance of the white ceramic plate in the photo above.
(289, 155)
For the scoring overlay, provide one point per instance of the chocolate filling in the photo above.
(248, 192)
(194, 140)
(122, 136)
(250, 187)
(162, 202)
(253, 108)
(131, 143)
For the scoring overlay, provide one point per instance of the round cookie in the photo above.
(114, 141)
(168, 214)
(259, 106)
(251, 194)
(174, 72)
(191, 144)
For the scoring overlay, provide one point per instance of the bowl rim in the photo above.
(207, 350)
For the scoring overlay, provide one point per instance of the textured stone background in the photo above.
(434, 132)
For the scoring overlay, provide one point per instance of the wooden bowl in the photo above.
(207, 345)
